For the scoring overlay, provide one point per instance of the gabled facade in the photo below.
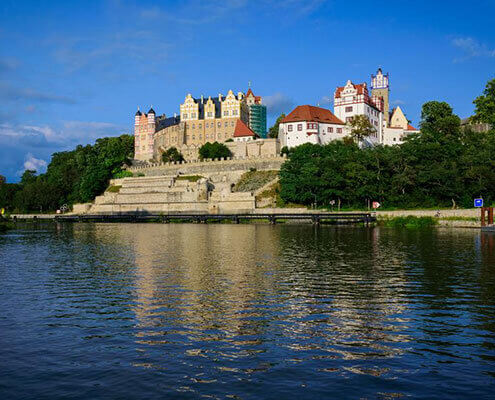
(354, 99)
(310, 124)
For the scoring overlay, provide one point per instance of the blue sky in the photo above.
(73, 71)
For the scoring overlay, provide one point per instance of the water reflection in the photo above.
(258, 311)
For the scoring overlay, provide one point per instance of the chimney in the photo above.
(201, 98)
(220, 96)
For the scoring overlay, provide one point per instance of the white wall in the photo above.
(293, 134)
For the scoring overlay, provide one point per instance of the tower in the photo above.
(380, 88)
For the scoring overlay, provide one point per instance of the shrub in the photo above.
(214, 150)
(123, 174)
(172, 155)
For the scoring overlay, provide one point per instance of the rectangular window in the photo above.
(226, 124)
(348, 109)
(289, 128)
(339, 130)
(234, 112)
(210, 114)
(330, 129)
(219, 124)
(185, 116)
(225, 113)
(299, 127)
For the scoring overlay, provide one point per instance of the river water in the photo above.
(148, 311)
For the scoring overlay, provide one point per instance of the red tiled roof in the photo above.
(411, 128)
(361, 89)
(242, 130)
(249, 92)
(312, 114)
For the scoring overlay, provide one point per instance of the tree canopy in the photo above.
(214, 150)
(172, 155)
(485, 105)
(360, 128)
(72, 176)
(441, 166)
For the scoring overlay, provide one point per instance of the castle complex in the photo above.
(241, 119)
(309, 124)
(201, 120)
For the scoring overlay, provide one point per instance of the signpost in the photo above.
(478, 203)
(375, 205)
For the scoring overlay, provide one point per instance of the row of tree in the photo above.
(75, 176)
(444, 165)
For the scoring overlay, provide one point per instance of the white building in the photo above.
(351, 100)
(309, 124)
(397, 129)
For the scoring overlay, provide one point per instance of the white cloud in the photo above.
(471, 48)
(325, 100)
(33, 163)
(69, 133)
(277, 104)
(398, 102)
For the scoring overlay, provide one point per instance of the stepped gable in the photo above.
(360, 87)
(202, 102)
(242, 130)
(312, 114)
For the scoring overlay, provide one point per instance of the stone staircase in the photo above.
(167, 194)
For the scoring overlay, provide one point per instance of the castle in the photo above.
(241, 119)
(309, 124)
(201, 120)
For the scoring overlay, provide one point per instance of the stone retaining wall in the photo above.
(207, 167)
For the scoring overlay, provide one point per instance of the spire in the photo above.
(151, 111)
(138, 113)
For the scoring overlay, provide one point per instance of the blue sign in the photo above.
(478, 202)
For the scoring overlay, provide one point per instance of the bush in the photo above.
(123, 174)
(172, 155)
(214, 150)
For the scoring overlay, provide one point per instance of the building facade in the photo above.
(351, 100)
(306, 124)
(201, 120)
(310, 124)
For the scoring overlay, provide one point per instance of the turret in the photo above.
(151, 116)
(137, 117)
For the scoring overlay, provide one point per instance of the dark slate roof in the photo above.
(151, 111)
(138, 112)
(216, 101)
(162, 122)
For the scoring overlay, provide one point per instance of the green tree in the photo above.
(485, 105)
(360, 127)
(214, 150)
(171, 155)
(438, 119)
(273, 131)
(2, 180)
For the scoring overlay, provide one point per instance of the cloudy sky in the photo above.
(73, 71)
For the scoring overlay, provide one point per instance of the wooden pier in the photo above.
(365, 218)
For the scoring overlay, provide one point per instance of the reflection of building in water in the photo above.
(200, 276)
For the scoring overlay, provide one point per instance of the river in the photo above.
(148, 311)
